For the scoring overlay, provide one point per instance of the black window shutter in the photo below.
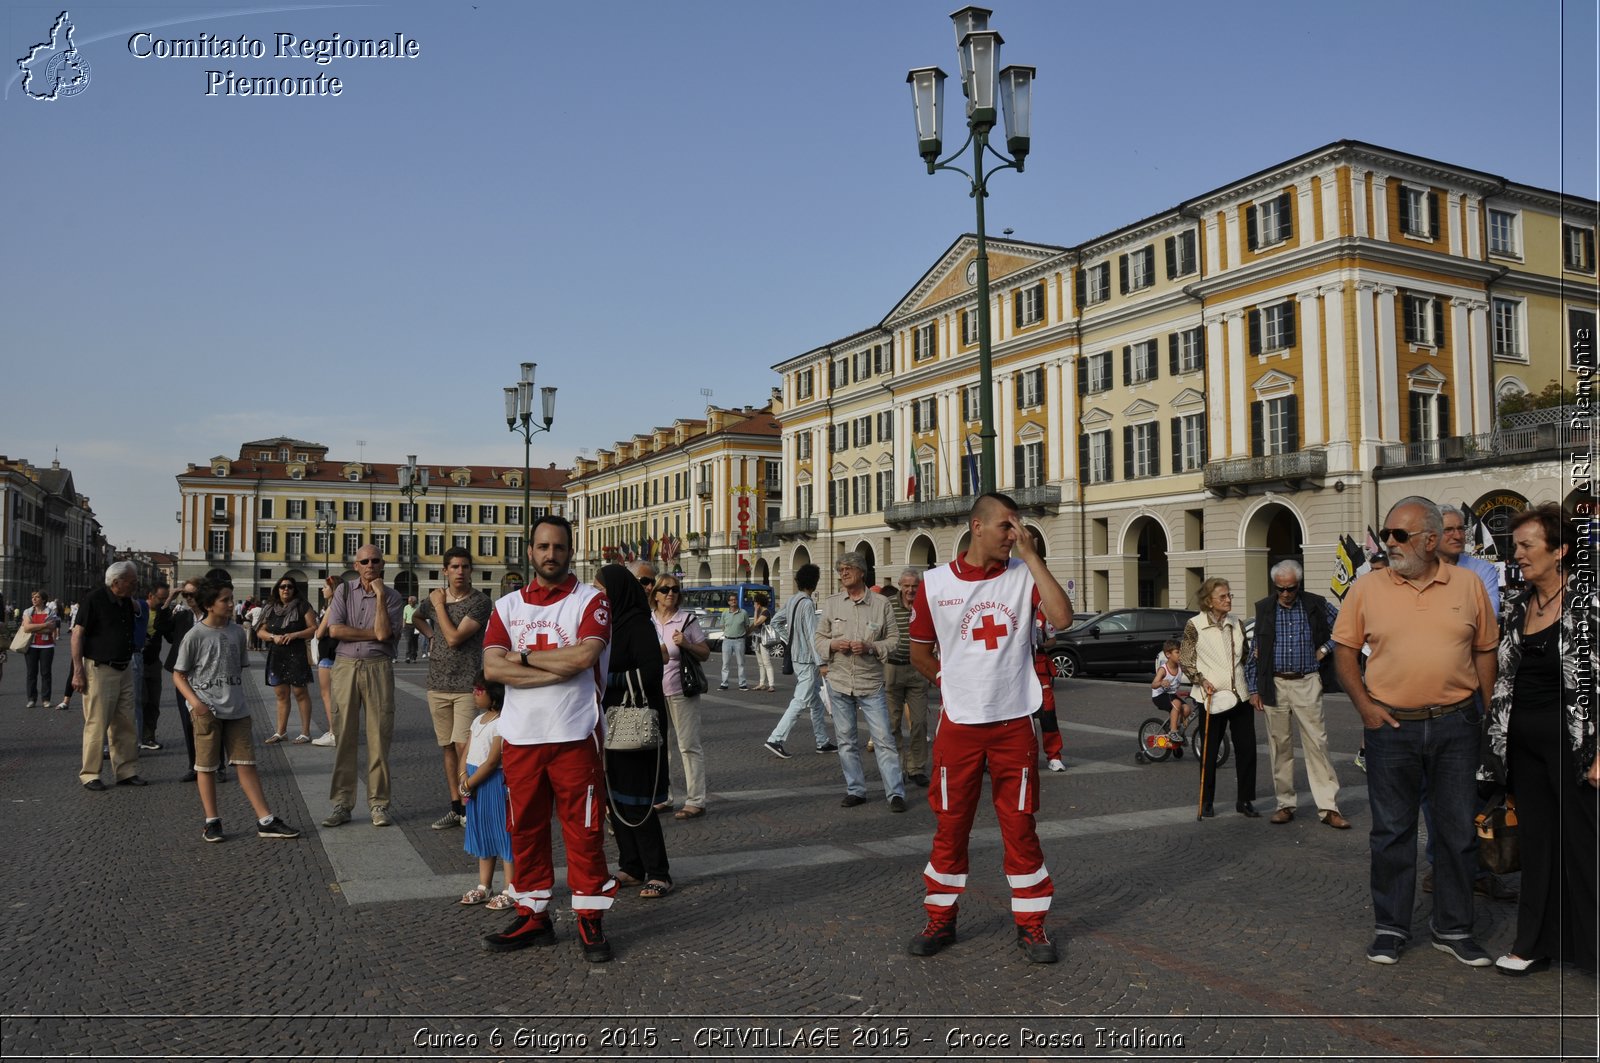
(1155, 449)
(1083, 376)
(1155, 360)
(1080, 287)
(1172, 353)
(1177, 443)
(1417, 399)
(1438, 321)
(1250, 227)
(1172, 257)
(1127, 453)
(1588, 248)
(1404, 213)
(1205, 443)
(1122, 271)
(1285, 219)
(1293, 405)
(1291, 310)
(1127, 366)
(1016, 466)
(1021, 378)
(1443, 415)
(1200, 346)
(1258, 429)
(1016, 309)
(1083, 457)
(1433, 215)
(1255, 332)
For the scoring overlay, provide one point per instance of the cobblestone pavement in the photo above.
(126, 936)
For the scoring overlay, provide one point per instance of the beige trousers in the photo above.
(362, 684)
(1300, 700)
(108, 718)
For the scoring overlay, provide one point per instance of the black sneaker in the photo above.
(1036, 944)
(592, 936)
(526, 929)
(1385, 948)
(777, 750)
(276, 828)
(213, 831)
(934, 937)
(827, 747)
(897, 803)
(1464, 949)
(852, 800)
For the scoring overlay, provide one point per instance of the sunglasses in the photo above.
(666, 590)
(286, 586)
(1288, 590)
(1399, 535)
(369, 560)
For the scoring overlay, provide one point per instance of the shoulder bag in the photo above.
(1499, 849)
(631, 724)
(694, 676)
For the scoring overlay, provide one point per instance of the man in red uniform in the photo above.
(979, 611)
(547, 644)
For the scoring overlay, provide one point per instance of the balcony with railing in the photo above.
(796, 526)
(1550, 441)
(1037, 500)
(772, 489)
(219, 556)
(702, 489)
(1291, 471)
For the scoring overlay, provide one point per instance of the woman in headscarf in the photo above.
(637, 779)
(286, 625)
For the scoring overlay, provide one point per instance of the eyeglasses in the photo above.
(647, 583)
(369, 560)
(666, 590)
(286, 586)
(1399, 535)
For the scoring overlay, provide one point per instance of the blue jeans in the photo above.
(1438, 757)
(805, 694)
(733, 651)
(875, 708)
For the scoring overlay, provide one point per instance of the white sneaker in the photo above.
(1056, 764)
(324, 739)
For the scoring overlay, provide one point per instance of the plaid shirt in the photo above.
(1293, 651)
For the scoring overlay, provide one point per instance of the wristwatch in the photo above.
(524, 658)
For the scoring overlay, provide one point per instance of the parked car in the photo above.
(1122, 640)
(711, 624)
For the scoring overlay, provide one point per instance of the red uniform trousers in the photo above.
(1049, 729)
(570, 776)
(961, 752)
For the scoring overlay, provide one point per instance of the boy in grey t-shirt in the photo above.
(209, 675)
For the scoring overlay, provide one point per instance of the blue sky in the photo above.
(646, 199)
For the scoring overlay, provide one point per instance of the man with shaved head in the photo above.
(978, 610)
(1433, 638)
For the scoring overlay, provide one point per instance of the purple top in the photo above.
(355, 606)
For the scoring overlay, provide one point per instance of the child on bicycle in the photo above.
(1165, 691)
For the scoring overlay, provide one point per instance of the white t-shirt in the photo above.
(484, 732)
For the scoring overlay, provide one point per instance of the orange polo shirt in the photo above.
(1422, 640)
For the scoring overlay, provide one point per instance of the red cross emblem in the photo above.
(543, 642)
(988, 632)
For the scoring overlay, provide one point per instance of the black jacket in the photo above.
(1266, 638)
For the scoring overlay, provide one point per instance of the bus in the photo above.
(713, 600)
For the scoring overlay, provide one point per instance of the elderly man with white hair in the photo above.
(1294, 635)
(102, 652)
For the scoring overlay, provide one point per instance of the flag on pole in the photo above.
(1348, 561)
(972, 468)
(1373, 547)
(1486, 546)
(911, 485)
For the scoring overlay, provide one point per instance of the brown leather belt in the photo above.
(1290, 675)
(1427, 712)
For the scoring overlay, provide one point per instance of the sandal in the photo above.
(625, 879)
(301, 740)
(476, 895)
(500, 902)
(655, 888)
(665, 806)
(278, 737)
(689, 812)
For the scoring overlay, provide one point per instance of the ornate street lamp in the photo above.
(413, 482)
(519, 420)
(978, 48)
(326, 525)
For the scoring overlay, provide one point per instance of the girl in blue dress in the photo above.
(483, 788)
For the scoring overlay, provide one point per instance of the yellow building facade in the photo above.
(284, 507)
(696, 498)
(1240, 378)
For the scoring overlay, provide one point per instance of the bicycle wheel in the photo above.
(1196, 735)
(1150, 732)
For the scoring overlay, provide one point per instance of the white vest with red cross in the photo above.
(564, 712)
(985, 632)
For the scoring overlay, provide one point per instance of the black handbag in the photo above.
(694, 677)
(1499, 848)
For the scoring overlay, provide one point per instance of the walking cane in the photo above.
(1205, 746)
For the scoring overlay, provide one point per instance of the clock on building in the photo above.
(972, 272)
